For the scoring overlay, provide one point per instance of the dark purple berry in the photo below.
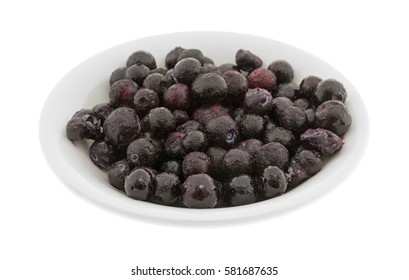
(251, 126)
(247, 61)
(141, 57)
(236, 162)
(180, 116)
(172, 166)
(141, 152)
(209, 68)
(192, 53)
(262, 78)
(209, 88)
(241, 191)
(139, 183)
(84, 124)
(117, 173)
(159, 70)
(334, 116)
(194, 141)
(237, 86)
(238, 114)
(289, 90)
(207, 60)
(161, 121)
(282, 70)
(169, 79)
(177, 97)
(166, 188)
(122, 126)
(271, 154)
(293, 119)
(103, 154)
(251, 146)
(269, 122)
(308, 86)
(301, 103)
(258, 101)
(216, 156)
(222, 131)
(273, 182)
(321, 140)
(155, 82)
(329, 89)
(280, 104)
(283, 136)
(186, 70)
(195, 163)
(310, 114)
(189, 126)
(145, 100)
(137, 73)
(223, 68)
(172, 57)
(117, 75)
(122, 93)
(199, 191)
(145, 124)
(102, 110)
(302, 166)
(174, 145)
(206, 113)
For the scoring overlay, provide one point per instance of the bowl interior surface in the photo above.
(87, 85)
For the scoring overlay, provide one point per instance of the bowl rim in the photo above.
(296, 198)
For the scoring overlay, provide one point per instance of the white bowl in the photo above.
(87, 85)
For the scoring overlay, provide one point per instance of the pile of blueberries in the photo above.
(199, 135)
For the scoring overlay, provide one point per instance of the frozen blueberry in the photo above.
(195, 163)
(122, 126)
(145, 124)
(302, 166)
(283, 136)
(177, 97)
(247, 61)
(141, 57)
(282, 70)
(172, 57)
(241, 190)
(194, 141)
(301, 103)
(222, 131)
(145, 100)
(186, 70)
(137, 73)
(199, 191)
(280, 104)
(210, 68)
(209, 87)
(207, 60)
(269, 122)
(166, 188)
(174, 145)
(161, 121)
(180, 116)
(223, 68)
(329, 89)
(103, 154)
(293, 119)
(189, 126)
(122, 93)
(141, 152)
(238, 114)
(102, 110)
(172, 166)
(139, 183)
(258, 101)
(308, 86)
(262, 78)
(216, 156)
(271, 154)
(117, 174)
(334, 116)
(237, 86)
(321, 140)
(117, 75)
(310, 114)
(289, 90)
(206, 113)
(192, 53)
(84, 124)
(251, 146)
(155, 82)
(251, 126)
(273, 182)
(159, 70)
(236, 162)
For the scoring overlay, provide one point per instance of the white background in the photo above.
(358, 231)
